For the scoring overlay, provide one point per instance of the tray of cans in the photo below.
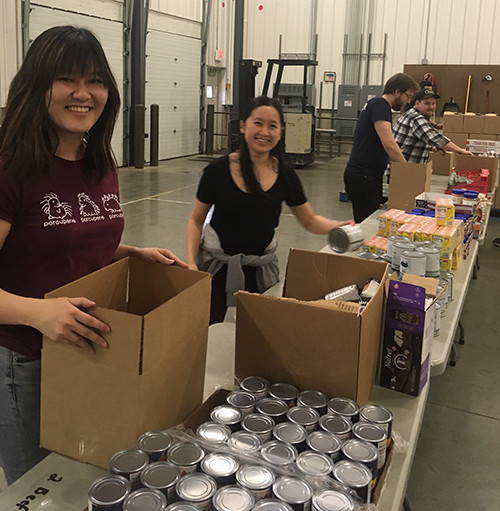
(263, 447)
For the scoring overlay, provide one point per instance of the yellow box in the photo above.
(449, 236)
(457, 256)
(445, 212)
(446, 263)
(384, 221)
(408, 230)
(426, 231)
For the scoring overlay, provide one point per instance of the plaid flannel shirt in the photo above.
(415, 136)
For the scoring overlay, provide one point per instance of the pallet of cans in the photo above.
(259, 448)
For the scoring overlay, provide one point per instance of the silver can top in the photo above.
(283, 391)
(154, 441)
(185, 454)
(128, 461)
(243, 441)
(255, 477)
(368, 255)
(314, 463)
(213, 432)
(352, 474)
(272, 407)
(109, 490)
(218, 464)
(359, 450)
(375, 413)
(303, 416)
(290, 432)
(241, 399)
(226, 414)
(293, 490)
(312, 399)
(145, 500)
(272, 505)
(369, 431)
(196, 487)
(323, 441)
(255, 385)
(332, 500)
(159, 475)
(257, 423)
(183, 506)
(343, 406)
(279, 453)
(233, 498)
(335, 424)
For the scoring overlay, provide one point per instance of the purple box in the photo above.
(408, 334)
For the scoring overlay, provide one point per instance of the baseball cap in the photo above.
(426, 94)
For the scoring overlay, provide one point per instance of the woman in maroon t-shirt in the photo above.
(60, 219)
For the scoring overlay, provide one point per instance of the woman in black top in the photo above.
(247, 188)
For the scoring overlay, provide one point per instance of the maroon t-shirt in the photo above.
(64, 225)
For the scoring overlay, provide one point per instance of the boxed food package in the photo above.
(481, 146)
(151, 376)
(473, 123)
(442, 164)
(408, 230)
(331, 346)
(449, 238)
(407, 181)
(397, 222)
(478, 163)
(492, 124)
(428, 201)
(453, 122)
(445, 212)
(457, 256)
(425, 232)
(384, 222)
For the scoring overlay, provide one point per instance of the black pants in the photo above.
(218, 306)
(364, 191)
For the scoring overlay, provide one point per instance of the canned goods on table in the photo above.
(324, 442)
(129, 463)
(368, 255)
(315, 464)
(294, 434)
(145, 499)
(306, 417)
(261, 425)
(391, 240)
(413, 262)
(186, 456)
(378, 415)
(279, 453)
(257, 479)
(284, 391)
(374, 434)
(344, 407)
(155, 444)
(244, 401)
(346, 238)
(274, 408)
(108, 493)
(233, 498)
(356, 476)
(294, 491)
(433, 261)
(227, 415)
(332, 500)
(256, 385)
(397, 249)
(444, 284)
(183, 506)
(161, 476)
(198, 489)
(213, 432)
(437, 319)
(244, 442)
(313, 399)
(363, 452)
(449, 277)
(442, 299)
(339, 426)
(272, 505)
(221, 466)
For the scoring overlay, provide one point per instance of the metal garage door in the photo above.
(173, 82)
(110, 33)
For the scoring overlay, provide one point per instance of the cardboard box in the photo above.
(477, 180)
(442, 164)
(492, 124)
(482, 136)
(311, 343)
(473, 123)
(427, 200)
(407, 181)
(153, 373)
(465, 162)
(460, 139)
(453, 122)
(482, 146)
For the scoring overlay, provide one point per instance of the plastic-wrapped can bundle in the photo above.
(346, 238)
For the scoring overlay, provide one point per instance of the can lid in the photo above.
(339, 240)
(254, 384)
(332, 500)
(185, 453)
(218, 464)
(283, 391)
(183, 506)
(414, 254)
(404, 245)
(109, 490)
(367, 255)
(196, 487)
(290, 432)
(233, 498)
(352, 474)
(302, 415)
(257, 423)
(226, 414)
(272, 505)
(292, 490)
(213, 432)
(243, 441)
(142, 499)
(279, 453)
(323, 441)
(376, 413)
(314, 463)
(369, 431)
(271, 406)
(160, 474)
(255, 477)
(241, 399)
(343, 406)
(428, 249)
(154, 441)
(128, 461)
(359, 450)
(312, 398)
(335, 424)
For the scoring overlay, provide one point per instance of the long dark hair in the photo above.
(278, 151)
(27, 135)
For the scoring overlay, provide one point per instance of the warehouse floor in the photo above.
(456, 463)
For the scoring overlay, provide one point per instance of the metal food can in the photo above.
(221, 466)
(294, 491)
(244, 442)
(314, 464)
(397, 249)
(213, 432)
(279, 453)
(413, 262)
(244, 401)
(161, 476)
(391, 240)
(274, 408)
(339, 426)
(437, 319)
(368, 255)
(186, 456)
(325, 443)
(227, 415)
(313, 399)
(272, 505)
(332, 500)
(444, 284)
(285, 392)
(443, 299)
(306, 417)
(129, 463)
(261, 425)
(291, 433)
(344, 407)
(233, 498)
(145, 499)
(256, 385)
(433, 261)
(449, 277)
(374, 434)
(108, 493)
(363, 452)
(257, 479)
(378, 415)
(183, 506)
(346, 238)
(155, 444)
(356, 476)
(198, 489)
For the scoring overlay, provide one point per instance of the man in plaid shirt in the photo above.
(415, 135)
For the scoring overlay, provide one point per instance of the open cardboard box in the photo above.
(407, 181)
(312, 343)
(152, 375)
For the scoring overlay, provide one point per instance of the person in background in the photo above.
(415, 135)
(246, 189)
(374, 146)
(60, 219)
(424, 85)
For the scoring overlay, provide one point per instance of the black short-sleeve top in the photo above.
(245, 222)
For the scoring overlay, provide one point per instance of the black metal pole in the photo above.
(154, 135)
(139, 136)
(210, 129)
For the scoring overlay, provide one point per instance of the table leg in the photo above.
(407, 504)
(461, 336)
(453, 357)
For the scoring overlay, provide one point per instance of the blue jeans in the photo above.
(19, 414)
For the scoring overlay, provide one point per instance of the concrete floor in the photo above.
(456, 464)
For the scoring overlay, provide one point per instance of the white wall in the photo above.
(10, 45)
(187, 9)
